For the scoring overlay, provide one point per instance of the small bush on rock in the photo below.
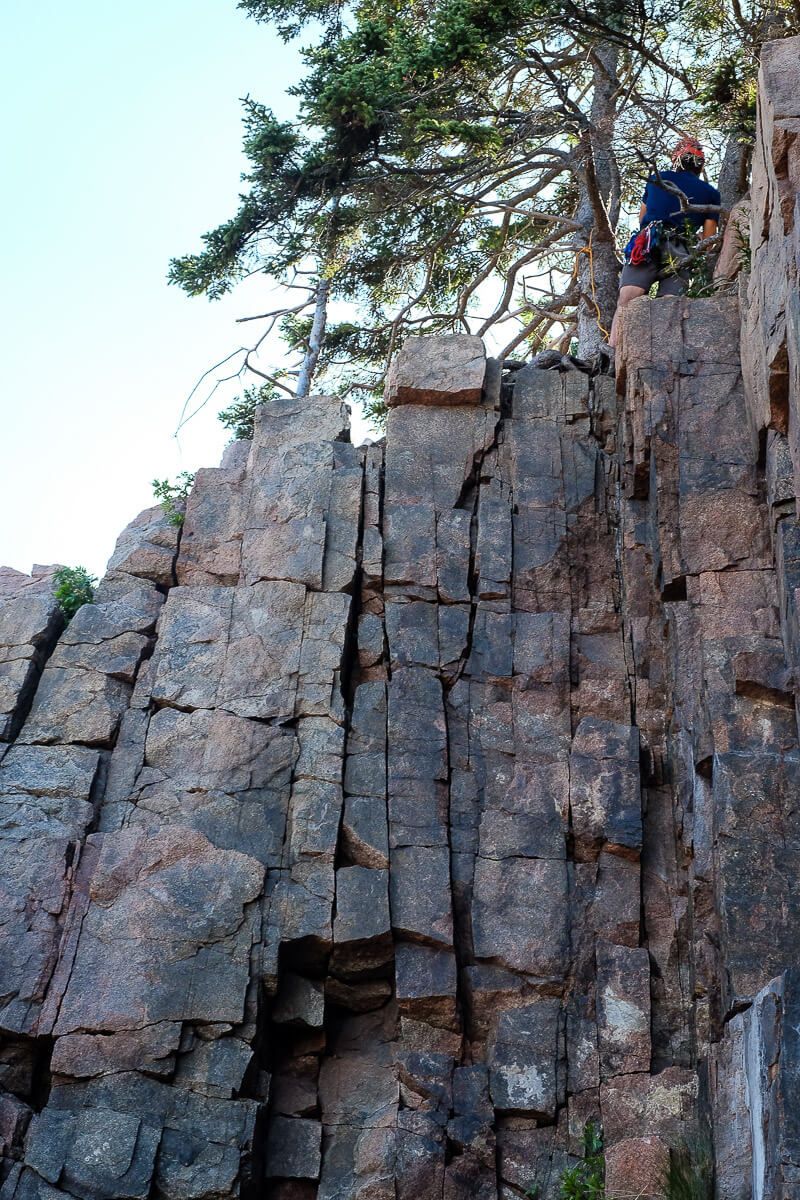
(173, 496)
(73, 587)
(586, 1180)
(240, 416)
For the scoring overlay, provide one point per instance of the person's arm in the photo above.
(643, 206)
(711, 224)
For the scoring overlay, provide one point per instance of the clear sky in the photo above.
(121, 133)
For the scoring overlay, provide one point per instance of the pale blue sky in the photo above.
(121, 136)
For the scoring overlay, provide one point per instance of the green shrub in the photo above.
(688, 1177)
(73, 587)
(173, 496)
(702, 283)
(586, 1180)
(240, 416)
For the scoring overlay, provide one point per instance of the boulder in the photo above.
(440, 371)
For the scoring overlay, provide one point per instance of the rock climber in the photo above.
(676, 205)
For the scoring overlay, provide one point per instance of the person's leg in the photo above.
(627, 293)
(634, 281)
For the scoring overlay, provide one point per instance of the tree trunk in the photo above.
(316, 338)
(596, 262)
(734, 172)
(321, 298)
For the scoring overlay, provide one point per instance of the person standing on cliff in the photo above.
(676, 205)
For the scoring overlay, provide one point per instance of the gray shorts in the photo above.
(672, 278)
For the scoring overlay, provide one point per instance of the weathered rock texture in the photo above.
(423, 802)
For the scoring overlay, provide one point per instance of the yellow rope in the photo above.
(587, 250)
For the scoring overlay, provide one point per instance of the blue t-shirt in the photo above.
(662, 205)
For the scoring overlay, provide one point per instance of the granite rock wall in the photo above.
(417, 804)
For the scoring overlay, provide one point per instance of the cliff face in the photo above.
(422, 803)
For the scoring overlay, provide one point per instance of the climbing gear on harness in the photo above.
(688, 152)
(642, 245)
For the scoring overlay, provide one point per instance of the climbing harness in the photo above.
(641, 247)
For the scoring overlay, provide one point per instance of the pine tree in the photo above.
(464, 165)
